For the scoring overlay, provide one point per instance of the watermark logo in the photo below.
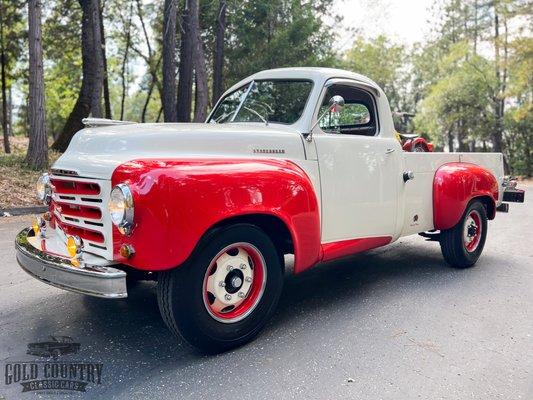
(53, 375)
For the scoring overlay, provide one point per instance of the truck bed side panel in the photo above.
(418, 193)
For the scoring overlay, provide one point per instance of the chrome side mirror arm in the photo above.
(335, 103)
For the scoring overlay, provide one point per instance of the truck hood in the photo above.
(96, 152)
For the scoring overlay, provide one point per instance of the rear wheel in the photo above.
(224, 295)
(462, 245)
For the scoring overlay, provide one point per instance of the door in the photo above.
(359, 170)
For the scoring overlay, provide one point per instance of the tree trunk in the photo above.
(98, 64)
(10, 112)
(202, 91)
(184, 103)
(218, 58)
(3, 61)
(450, 141)
(90, 78)
(107, 100)
(37, 156)
(124, 67)
(169, 98)
(147, 101)
(462, 136)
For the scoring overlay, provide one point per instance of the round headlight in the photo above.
(121, 206)
(44, 190)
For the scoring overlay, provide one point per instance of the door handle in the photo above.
(388, 151)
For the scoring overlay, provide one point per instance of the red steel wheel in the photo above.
(472, 231)
(234, 282)
(223, 296)
(462, 244)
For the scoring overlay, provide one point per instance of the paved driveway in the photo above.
(395, 323)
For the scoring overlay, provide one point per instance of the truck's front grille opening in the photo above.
(62, 186)
(83, 233)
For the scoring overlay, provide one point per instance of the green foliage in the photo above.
(383, 62)
(460, 101)
(278, 33)
(62, 67)
(462, 94)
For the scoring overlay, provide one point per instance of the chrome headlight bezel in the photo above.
(44, 188)
(120, 207)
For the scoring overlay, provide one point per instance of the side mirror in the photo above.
(336, 103)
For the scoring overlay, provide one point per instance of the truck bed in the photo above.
(417, 191)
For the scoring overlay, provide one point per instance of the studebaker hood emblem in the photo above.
(96, 152)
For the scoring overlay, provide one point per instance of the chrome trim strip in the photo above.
(97, 122)
(250, 86)
(93, 280)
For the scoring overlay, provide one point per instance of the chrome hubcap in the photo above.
(234, 282)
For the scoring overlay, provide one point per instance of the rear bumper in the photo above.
(514, 195)
(89, 278)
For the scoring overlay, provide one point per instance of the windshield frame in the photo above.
(249, 86)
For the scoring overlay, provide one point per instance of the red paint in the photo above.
(331, 251)
(86, 234)
(76, 210)
(477, 236)
(410, 144)
(75, 187)
(53, 217)
(178, 200)
(454, 185)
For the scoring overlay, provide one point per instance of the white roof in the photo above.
(316, 74)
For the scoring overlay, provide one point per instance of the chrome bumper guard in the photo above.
(93, 280)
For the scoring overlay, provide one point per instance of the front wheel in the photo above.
(462, 245)
(224, 295)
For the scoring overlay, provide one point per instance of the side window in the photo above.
(357, 117)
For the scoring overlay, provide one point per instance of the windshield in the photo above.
(264, 101)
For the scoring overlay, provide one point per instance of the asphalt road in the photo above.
(394, 323)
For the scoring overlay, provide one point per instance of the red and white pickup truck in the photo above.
(299, 161)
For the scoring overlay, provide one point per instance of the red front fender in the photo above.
(455, 184)
(178, 201)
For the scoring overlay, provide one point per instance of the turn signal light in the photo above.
(35, 226)
(74, 246)
(38, 224)
(127, 250)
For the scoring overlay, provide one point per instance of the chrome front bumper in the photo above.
(91, 278)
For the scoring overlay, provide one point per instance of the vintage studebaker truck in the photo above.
(299, 161)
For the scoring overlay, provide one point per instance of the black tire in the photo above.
(419, 148)
(180, 292)
(452, 244)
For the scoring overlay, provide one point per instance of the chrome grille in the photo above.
(79, 207)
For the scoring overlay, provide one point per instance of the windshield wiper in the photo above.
(256, 113)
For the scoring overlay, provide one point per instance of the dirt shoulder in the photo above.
(17, 181)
